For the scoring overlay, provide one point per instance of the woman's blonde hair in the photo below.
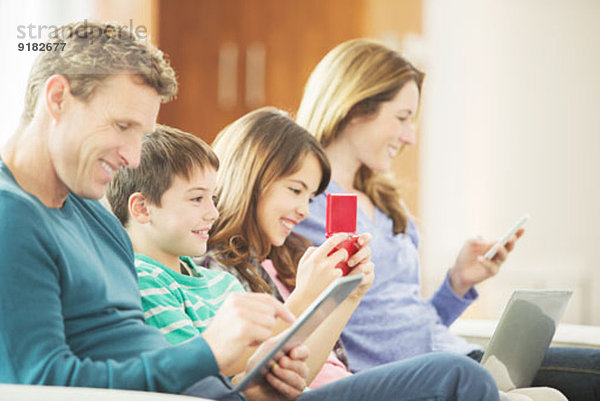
(352, 80)
(255, 151)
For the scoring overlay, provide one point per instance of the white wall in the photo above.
(15, 65)
(510, 125)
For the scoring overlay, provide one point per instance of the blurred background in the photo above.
(509, 114)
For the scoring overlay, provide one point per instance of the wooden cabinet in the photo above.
(233, 56)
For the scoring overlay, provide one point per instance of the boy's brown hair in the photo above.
(166, 153)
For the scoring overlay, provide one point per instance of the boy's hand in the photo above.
(286, 379)
(244, 320)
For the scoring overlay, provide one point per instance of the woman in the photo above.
(360, 103)
(270, 169)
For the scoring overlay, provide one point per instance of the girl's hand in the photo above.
(368, 269)
(285, 379)
(360, 262)
(363, 255)
(471, 268)
(316, 270)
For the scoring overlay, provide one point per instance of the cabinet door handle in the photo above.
(227, 76)
(255, 75)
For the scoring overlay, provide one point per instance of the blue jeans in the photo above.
(574, 371)
(431, 377)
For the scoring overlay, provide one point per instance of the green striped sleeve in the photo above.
(181, 307)
(163, 304)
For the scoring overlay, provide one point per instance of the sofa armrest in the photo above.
(18, 392)
(480, 331)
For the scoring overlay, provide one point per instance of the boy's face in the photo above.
(180, 225)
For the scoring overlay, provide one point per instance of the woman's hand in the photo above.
(471, 268)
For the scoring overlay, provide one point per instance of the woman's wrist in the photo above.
(457, 285)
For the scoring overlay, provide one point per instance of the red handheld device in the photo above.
(341, 218)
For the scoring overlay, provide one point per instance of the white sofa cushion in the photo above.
(17, 392)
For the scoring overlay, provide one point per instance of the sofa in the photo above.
(18, 392)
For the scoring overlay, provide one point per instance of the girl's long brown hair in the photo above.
(255, 151)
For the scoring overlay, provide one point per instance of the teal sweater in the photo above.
(70, 309)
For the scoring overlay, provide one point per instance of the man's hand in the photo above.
(286, 379)
(244, 320)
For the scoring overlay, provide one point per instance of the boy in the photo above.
(167, 207)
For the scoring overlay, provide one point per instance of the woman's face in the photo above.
(377, 138)
(285, 202)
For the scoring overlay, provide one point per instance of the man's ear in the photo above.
(138, 208)
(56, 90)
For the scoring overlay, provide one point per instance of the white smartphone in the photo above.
(493, 250)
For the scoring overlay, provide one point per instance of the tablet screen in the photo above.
(305, 325)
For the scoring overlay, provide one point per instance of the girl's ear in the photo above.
(138, 208)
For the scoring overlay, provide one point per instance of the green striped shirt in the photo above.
(180, 306)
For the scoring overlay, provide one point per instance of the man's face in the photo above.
(92, 139)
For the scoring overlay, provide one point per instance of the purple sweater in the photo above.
(393, 321)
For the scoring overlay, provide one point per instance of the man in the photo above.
(70, 311)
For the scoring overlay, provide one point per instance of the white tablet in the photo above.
(304, 325)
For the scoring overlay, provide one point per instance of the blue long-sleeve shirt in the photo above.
(393, 321)
(70, 308)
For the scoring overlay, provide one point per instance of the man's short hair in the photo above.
(93, 52)
(166, 153)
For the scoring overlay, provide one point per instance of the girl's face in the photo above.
(374, 140)
(285, 202)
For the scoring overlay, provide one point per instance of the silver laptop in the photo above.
(523, 335)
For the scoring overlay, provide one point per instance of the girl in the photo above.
(270, 169)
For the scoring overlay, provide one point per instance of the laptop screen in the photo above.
(523, 335)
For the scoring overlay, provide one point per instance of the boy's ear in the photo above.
(138, 208)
